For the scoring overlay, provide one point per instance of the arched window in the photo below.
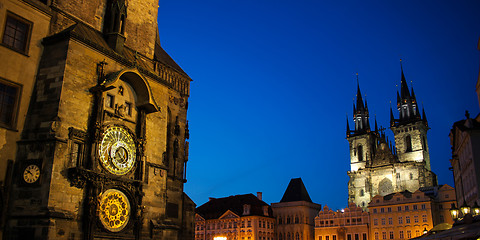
(360, 152)
(288, 220)
(362, 193)
(408, 143)
(280, 220)
(296, 219)
(288, 236)
(280, 237)
(297, 236)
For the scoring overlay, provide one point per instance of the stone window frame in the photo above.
(25, 41)
(11, 123)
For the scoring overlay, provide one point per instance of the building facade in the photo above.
(405, 215)
(239, 217)
(351, 223)
(295, 213)
(95, 122)
(379, 167)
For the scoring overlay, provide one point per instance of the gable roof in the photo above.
(217, 207)
(296, 191)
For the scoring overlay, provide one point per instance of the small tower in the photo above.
(410, 129)
(361, 139)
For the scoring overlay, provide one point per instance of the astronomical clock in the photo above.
(104, 147)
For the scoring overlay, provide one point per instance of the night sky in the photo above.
(273, 82)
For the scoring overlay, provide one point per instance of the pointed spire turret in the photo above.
(392, 118)
(406, 101)
(424, 116)
(376, 127)
(360, 113)
(348, 128)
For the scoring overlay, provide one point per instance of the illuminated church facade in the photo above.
(380, 167)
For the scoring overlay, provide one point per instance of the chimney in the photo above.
(259, 196)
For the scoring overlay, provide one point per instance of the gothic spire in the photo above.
(392, 118)
(348, 127)
(406, 102)
(424, 116)
(360, 113)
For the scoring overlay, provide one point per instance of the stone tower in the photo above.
(104, 147)
(377, 166)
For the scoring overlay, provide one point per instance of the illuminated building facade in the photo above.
(377, 166)
(94, 119)
(239, 217)
(295, 213)
(348, 224)
(405, 215)
(465, 141)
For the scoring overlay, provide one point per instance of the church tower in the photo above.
(360, 139)
(410, 129)
(377, 166)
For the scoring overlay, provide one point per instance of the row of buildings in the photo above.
(392, 192)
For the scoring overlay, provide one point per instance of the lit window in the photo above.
(390, 221)
(16, 33)
(407, 219)
(400, 220)
(401, 234)
(376, 235)
(424, 218)
(9, 97)
(391, 235)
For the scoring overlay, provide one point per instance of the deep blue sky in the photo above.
(273, 81)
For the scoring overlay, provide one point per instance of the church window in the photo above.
(9, 97)
(408, 143)
(16, 34)
(360, 152)
(361, 193)
(411, 176)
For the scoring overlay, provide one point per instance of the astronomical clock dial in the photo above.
(114, 210)
(31, 173)
(117, 151)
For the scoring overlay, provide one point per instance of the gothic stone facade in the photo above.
(377, 166)
(103, 149)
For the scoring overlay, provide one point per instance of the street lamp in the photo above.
(476, 209)
(454, 212)
(465, 208)
(425, 231)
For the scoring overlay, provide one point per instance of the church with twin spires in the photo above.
(382, 167)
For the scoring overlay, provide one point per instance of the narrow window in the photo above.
(360, 153)
(9, 97)
(109, 101)
(408, 143)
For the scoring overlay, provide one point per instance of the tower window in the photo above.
(9, 97)
(362, 193)
(408, 144)
(360, 153)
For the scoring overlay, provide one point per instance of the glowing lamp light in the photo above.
(465, 209)
(220, 238)
(476, 209)
(454, 212)
(425, 231)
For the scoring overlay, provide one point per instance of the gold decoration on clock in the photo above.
(117, 150)
(114, 210)
(31, 173)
